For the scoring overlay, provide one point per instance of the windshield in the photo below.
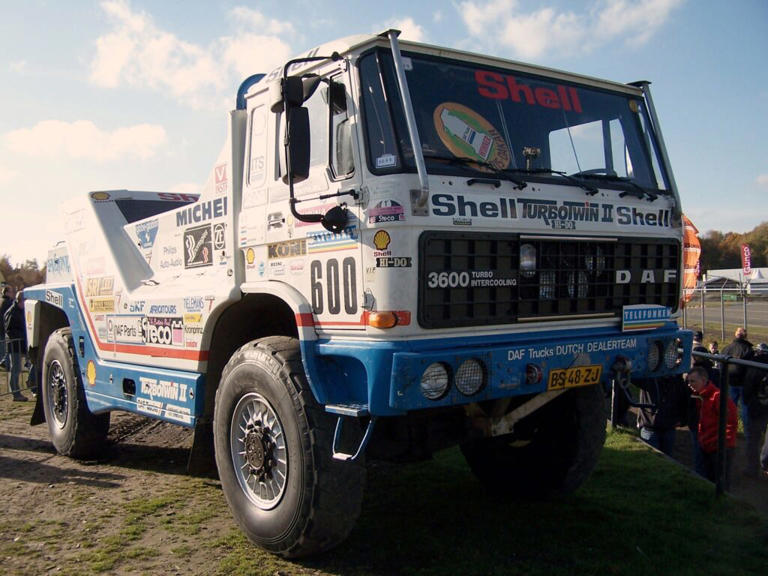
(505, 121)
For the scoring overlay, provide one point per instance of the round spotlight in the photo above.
(434, 381)
(470, 377)
(654, 355)
(672, 354)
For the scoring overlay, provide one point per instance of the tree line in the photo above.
(720, 250)
(22, 275)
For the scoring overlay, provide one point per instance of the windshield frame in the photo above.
(376, 66)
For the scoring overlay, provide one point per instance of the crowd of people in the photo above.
(694, 401)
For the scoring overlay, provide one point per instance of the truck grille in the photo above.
(471, 279)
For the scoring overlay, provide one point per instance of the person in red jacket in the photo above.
(708, 397)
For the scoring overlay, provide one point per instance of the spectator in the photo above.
(15, 330)
(693, 406)
(7, 292)
(708, 396)
(756, 401)
(740, 348)
(663, 407)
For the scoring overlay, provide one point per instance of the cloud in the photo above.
(137, 52)
(762, 180)
(84, 140)
(408, 28)
(550, 30)
(7, 175)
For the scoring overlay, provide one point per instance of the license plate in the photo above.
(562, 378)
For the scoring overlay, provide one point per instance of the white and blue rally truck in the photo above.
(399, 248)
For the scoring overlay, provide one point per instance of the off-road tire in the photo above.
(264, 390)
(75, 431)
(554, 451)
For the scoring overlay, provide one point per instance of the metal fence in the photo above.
(718, 308)
(619, 387)
(26, 380)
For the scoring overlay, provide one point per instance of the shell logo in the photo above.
(90, 373)
(250, 255)
(381, 240)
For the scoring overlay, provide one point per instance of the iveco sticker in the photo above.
(219, 238)
(147, 232)
(162, 309)
(163, 330)
(394, 262)
(386, 211)
(197, 247)
(644, 317)
(99, 286)
(193, 304)
(163, 389)
(54, 298)
(125, 329)
(202, 211)
(220, 174)
(331, 241)
(287, 249)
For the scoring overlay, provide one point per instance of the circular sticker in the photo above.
(468, 135)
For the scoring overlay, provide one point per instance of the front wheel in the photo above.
(273, 453)
(75, 431)
(553, 450)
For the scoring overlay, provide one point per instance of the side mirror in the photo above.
(335, 219)
(296, 164)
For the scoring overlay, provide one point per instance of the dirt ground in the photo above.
(80, 506)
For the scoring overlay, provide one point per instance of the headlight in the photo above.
(672, 355)
(527, 260)
(470, 377)
(434, 381)
(654, 356)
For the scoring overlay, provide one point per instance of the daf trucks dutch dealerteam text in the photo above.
(399, 249)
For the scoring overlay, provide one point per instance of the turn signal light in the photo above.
(389, 319)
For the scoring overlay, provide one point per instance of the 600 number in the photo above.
(448, 279)
(339, 285)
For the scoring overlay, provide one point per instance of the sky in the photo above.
(99, 95)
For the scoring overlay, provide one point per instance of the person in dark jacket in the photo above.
(16, 335)
(664, 403)
(739, 348)
(756, 400)
(6, 303)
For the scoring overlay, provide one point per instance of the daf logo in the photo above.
(648, 276)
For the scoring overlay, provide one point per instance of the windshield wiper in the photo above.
(479, 166)
(591, 190)
(637, 190)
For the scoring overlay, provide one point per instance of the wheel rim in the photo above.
(58, 400)
(259, 455)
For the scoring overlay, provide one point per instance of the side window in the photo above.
(342, 160)
(318, 126)
(380, 135)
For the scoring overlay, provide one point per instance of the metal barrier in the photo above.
(723, 362)
(7, 347)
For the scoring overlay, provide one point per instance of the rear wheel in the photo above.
(551, 451)
(273, 453)
(75, 431)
